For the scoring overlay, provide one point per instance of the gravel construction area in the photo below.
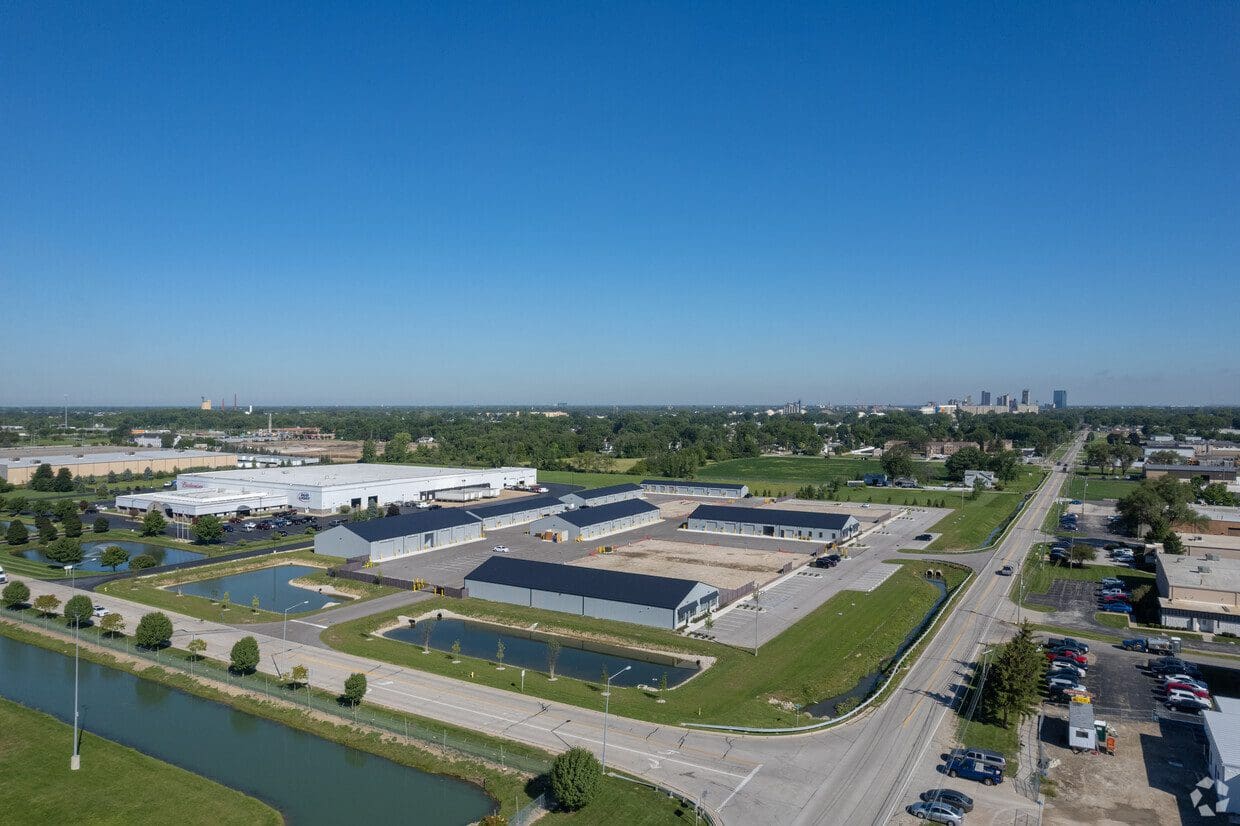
(870, 514)
(713, 564)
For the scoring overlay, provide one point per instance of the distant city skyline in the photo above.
(607, 204)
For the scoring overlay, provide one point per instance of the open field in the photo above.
(712, 564)
(589, 480)
(825, 654)
(1099, 488)
(116, 785)
(972, 524)
(803, 470)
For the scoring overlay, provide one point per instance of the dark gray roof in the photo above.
(605, 513)
(769, 516)
(525, 503)
(693, 483)
(597, 583)
(390, 527)
(610, 490)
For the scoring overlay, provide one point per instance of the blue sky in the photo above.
(619, 202)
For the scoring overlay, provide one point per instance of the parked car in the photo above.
(1189, 687)
(1067, 654)
(3, 576)
(1068, 642)
(336, 522)
(923, 537)
(1113, 592)
(1006, 570)
(98, 611)
(824, 562)
(973, 770)
(1194, 705)
(1109, 581)
(936, 812)
(1065, 663)
(1115, 607)
(984, 756)
(1183, 678)
(1114, 598)
(500, 549)
(229, 528)
(1188, 698)
(1064, 683)
(1174, 665)
(248, 527)
(949, 796)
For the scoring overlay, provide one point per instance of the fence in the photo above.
(360, 575)
(455, 745)
(727, 596)
(529, 812)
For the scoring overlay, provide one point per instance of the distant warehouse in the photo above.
(17, 470)
(679, 487)
(602, 496)
(517, 511)
(658, 601)
(591, 523)
(781, 524)
(390, 537)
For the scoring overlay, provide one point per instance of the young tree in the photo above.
(112, 624)
(141, 562)
(154, 630)
(428, 628)
(355, 688)
(392, 510)
(114, 556)
(72, 526)
(244, 656)
(47, 604)
(368, 452)
(16, 594)
(43, 478)
(576, 777)
(553, 656)
(196, 648)
(1172, 543)
(16, 504)
(208, 529)
(499, 654)
(16, 533)
(1081, 553)
(63, 483)
(47, 531)
(101, 524)
(1098, 454)
(456, 651)
(64, 509)
(66, 551)
(299, 676)
(153, 523)
(78, 609)
(254, 603)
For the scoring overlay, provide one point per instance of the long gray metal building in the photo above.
(517, 511)
(390, 537)
(602, 496)
(659, 601)
(690, 487)
(780, 524)
(589, 523)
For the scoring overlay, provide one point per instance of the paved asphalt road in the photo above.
(862, 772)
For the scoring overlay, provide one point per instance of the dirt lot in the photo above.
(1146, 783)
(676, 508)
(864, 515)
(715, 565)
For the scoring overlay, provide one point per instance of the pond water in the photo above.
(91, 551)
(270, 585)
(528, 649)
(870, 682)
(309, 779)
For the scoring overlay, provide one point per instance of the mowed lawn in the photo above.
(116, 785)
(802, 470)
(1099, 488)
(823, 655)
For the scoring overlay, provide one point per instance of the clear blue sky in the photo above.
(618, 202)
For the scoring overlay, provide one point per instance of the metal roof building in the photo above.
(517, 511)
(390, 537)
(689, 487)
(779, 524)
(602, 496)
(1222, 729)
(594, 522)
(18, 468)
(662, 602)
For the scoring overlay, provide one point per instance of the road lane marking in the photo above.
(311, 624)
(739, 786)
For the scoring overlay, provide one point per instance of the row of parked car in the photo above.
(1067, 662)
(1180, 685)
(1114, 596)
(950, 805)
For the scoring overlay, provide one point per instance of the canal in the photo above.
(309, 779)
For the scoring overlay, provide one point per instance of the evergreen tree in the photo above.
(16, 534)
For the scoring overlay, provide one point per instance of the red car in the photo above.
(1189, 687)
(1115, 598)
(1065, 654)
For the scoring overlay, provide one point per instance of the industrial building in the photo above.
(252, 460)
(602, 496)
(1222, 730)
(193, 503)
(17, 470)
(1220, 519)
(327, 488)
(517, 511)
(677, 487)
(1215, 472)
(1199, 593)
(661, 602)
(595, 522)
(780, 524)
(391, 537)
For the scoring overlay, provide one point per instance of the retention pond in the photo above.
(91, 551)
(271, 586)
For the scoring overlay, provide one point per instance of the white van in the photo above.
(3, 577)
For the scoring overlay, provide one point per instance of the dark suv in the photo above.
(828, 561)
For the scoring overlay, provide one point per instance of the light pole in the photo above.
(286, 610)
(606, 706)
(75, 760)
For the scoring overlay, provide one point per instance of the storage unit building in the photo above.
(662, 602)
(602, 496)
(391, 537)
(591, 523)
(517, 511)
(780, 524)
(1222, 729)
(689, 487)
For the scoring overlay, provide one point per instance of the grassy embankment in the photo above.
(619, 802)
(125, 785)
(824, 654)
(159, 591)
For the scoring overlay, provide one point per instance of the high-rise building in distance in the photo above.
(1061, 399)
(1024, 396)
(985, 398)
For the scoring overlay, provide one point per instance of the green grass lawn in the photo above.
(1111, 620)
(969, 525)
(116, 785)
(1099, 488)
(986, 733)
(589, 480)
(802, 470)
(824, 654)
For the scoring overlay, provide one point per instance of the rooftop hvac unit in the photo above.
(1202, 569)
(1212, 557)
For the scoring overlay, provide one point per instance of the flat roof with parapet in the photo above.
(327, 475)
(189, 497)
(1183, 571)
(112, 456)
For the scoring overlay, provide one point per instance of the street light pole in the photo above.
(286, 610)
(606, 708)
(75, 760)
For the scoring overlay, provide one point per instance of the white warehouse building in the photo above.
(327, 488)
